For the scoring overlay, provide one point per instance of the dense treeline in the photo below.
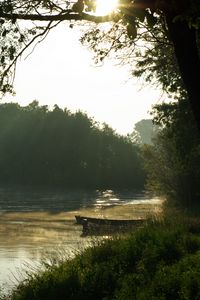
(39, 146)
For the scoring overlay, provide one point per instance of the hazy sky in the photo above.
(61, 71)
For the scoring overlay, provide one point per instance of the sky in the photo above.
(61, 71)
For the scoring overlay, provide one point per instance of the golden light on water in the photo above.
(104, 7)
(29, 237)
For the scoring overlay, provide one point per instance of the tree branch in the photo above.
(69, 15)
(41, 34)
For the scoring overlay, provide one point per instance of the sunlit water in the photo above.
(37, 223)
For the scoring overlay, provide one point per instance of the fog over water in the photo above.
(38, 222)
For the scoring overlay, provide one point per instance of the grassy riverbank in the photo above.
(159, 261)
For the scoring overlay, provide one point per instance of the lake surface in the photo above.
(39, 223)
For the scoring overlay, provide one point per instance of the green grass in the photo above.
(159, 261)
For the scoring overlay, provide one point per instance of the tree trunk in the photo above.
(186, 51)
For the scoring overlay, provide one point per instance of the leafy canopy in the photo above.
(132, 23)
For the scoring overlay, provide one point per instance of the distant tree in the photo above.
(144, 132)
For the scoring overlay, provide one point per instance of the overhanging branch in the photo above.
(59, 17)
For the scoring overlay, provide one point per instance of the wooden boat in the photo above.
(94, 226)
(82, 220)
(113, 222)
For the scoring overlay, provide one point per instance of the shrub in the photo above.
(160, 261)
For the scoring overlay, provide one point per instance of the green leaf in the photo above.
(140, 14)
(2, 59)
(130, 19)
(132, 31)
(4, 32)
(22, 38)
(12, 51)
(8, 7)
(151, 20)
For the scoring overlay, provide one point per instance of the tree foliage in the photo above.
(170, 30)
(144, 132)
(59, 148)
(173, 162)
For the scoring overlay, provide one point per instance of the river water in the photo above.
(39, 223)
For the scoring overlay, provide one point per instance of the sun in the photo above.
(104, 7)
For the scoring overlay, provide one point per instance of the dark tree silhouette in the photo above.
(180, 17)
(173, 161)
(58, 148)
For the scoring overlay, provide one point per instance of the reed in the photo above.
(159, 261)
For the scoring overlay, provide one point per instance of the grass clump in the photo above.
(159, 261)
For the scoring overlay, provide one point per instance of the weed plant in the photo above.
(160, 261)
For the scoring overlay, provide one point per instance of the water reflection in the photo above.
(15, 199)
(33, 222)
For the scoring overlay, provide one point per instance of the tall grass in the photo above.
(159, 261)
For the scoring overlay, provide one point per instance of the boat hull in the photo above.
(97, 226)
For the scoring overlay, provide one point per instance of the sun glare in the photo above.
(104, 7)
